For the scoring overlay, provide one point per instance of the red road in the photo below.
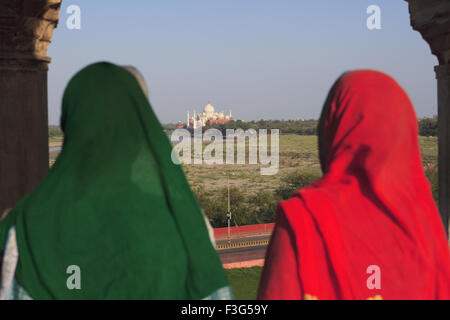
(238, 256)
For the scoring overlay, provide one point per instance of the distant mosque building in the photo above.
(208, 116)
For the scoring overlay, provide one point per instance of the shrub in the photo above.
(431, 172)
(262, 206)
(295, 181)
(428, 127)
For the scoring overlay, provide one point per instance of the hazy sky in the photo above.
(264, 59)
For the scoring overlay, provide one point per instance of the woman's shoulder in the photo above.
(224, 293)
(6, 222)
(4, 213)
(299, 210)
(9, 288)
(295, 204)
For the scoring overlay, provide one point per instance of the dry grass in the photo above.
(296, 152)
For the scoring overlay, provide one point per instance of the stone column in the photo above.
(26, 28)
(443, 78)
(432, 19)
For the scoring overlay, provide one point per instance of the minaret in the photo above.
(195, 121)
(187, 120)
(231, 117)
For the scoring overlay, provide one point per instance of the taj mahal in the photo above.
(208, 116)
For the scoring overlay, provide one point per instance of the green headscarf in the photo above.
(113, 204)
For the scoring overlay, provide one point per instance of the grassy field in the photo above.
(429, 150)
(244, 282)
(296, 153)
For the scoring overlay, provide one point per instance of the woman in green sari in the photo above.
(114, 218)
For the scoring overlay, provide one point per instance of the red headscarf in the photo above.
(369, 229)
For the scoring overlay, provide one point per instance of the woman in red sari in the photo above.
(369, 228)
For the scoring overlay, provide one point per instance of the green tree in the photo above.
(428, 127)
(294, 181)
(262, 206)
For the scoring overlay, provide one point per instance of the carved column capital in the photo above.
(26, 29)
(432, 19)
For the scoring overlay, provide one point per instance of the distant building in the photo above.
(208, 116)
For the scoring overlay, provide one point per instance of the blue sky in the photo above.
(264, 59)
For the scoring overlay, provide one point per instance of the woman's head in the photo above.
(321, 130)
(115, 190)
(102, 100)
(139, 77)
(367, 120)
(373, 205)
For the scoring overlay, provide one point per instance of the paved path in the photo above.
(249, 241)
(243, 257)
(243, 252)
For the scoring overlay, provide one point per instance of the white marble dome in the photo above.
(209, 109)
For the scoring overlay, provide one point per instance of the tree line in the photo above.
(427, 126)
(256, 208)
(261, 207)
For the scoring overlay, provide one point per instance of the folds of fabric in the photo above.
(369, 229)
(114, 204)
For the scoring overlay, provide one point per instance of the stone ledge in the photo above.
(23, 62)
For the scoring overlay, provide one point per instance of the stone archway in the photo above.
(26, 29)
(432, 19)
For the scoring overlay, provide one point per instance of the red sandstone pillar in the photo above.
(26, 29)
(432, 19)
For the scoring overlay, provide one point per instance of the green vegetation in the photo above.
(244, 282)
(301, 127)
(247, 209)
(254, 197)
(428, 127)
(55, 134)
(295, 181)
